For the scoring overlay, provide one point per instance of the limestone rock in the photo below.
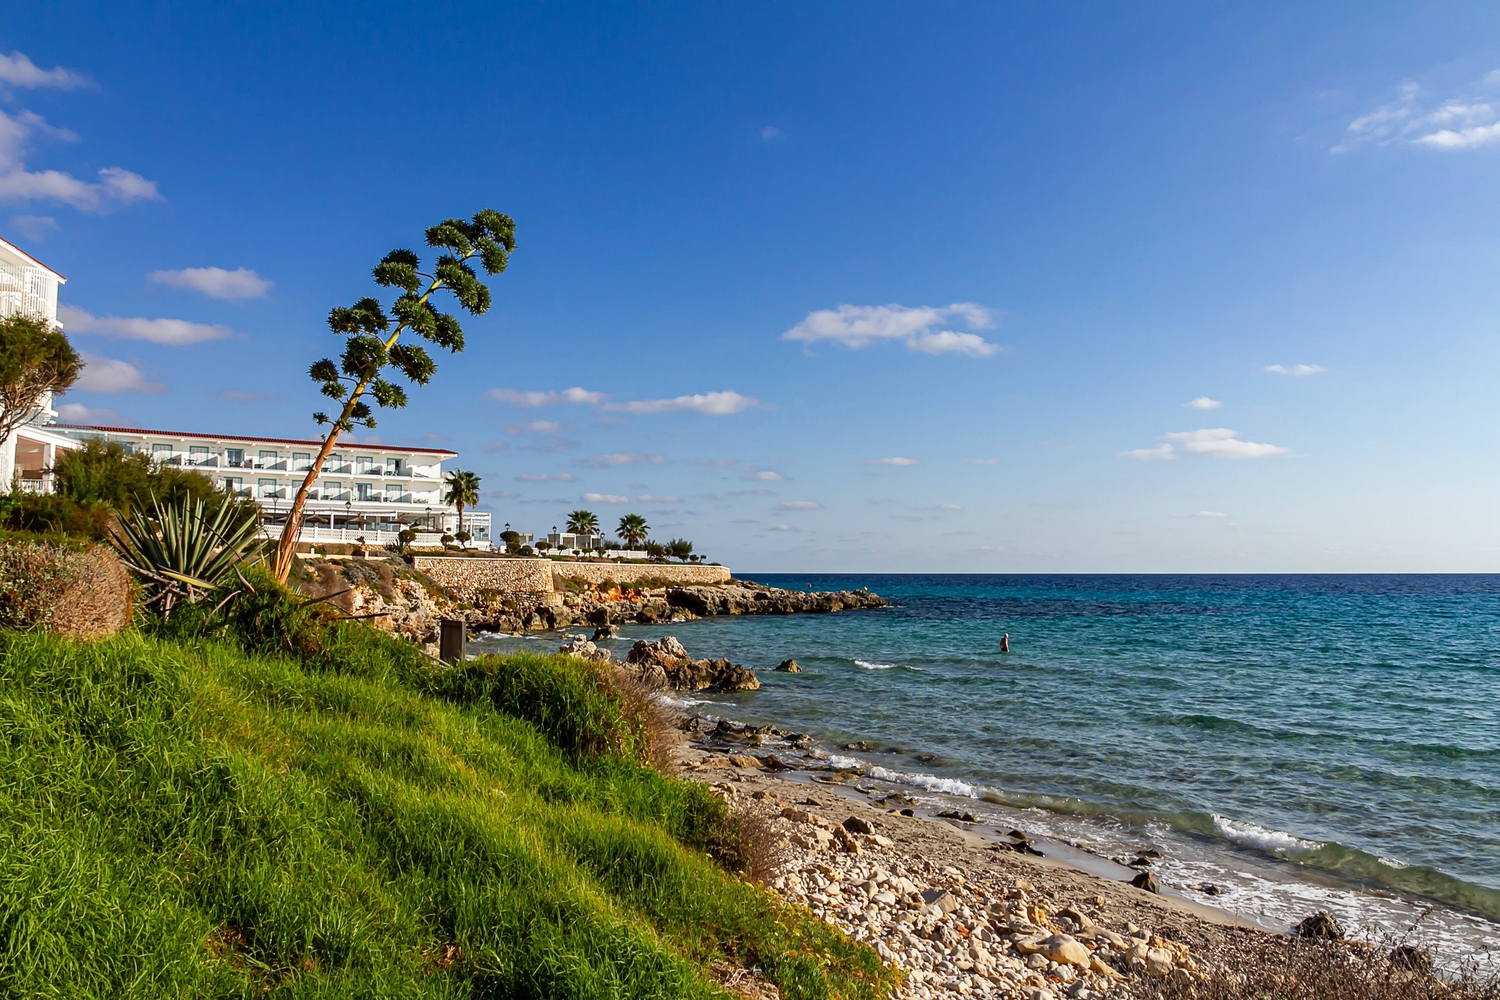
(1064, 950)
(789, 667)
(856, 825)
(1147, 881)
(664, 663)
(1320, 927)
(584, 650)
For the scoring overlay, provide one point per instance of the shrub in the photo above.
(82, 594)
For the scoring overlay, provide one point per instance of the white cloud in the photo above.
(535, 427)
(77, 413)
(215, 282)
(623, 458)
(648, 498)
(1210, 513)
(1159, 453)
(604, 498)
(1221, 442)
(712, 404)
(173, 332)
(763, 476)
(1466, 119)
(575, 395)
(116, 185)
(860, 326)
(782, 527)
(502, 494)
(102, 374)
(16, 70)
(1202, 403)
(35, 227)
(951, 342)
(1296, 369)
(949, 506)
(546, 477)
(896, 460)
(772, 132)
(800, 505)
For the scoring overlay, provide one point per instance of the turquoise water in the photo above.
(1300, 741)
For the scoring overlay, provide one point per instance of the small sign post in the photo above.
(452, 641)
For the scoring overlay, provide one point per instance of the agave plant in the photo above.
(182, 551)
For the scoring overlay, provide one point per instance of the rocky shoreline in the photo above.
(966, 914)
(393, 596)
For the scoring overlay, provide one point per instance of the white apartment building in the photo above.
(29, 287)
(362, 491)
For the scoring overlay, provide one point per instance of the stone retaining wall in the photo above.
(535, 576)
(629, 573)
(531, 576)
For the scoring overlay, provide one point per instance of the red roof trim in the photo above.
(12, 247)
(248, 437)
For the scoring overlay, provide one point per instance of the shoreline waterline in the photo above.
(1177, 714)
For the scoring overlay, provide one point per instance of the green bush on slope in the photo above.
(189, 819)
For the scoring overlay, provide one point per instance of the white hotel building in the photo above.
(363, 491)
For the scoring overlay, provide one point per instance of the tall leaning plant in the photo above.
(373, 346)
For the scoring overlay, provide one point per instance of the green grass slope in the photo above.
(185, 819)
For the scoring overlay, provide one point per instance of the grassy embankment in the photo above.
(185, 818)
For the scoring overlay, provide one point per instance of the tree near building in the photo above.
(583, 522)
(35, 359)
(632, 530)
(463, 491)
(372, 347)
(680, 549)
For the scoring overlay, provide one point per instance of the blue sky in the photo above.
(902, 287)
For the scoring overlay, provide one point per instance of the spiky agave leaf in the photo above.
(181, 551)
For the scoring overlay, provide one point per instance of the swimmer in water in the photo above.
(1005, 643)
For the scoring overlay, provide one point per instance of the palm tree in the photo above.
(463, 489)
(633, 530)
(583, 522)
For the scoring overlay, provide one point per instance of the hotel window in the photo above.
(198, 454)
(266, 459)
(333, 462)
(392, 492)
(301, 461)
(161, 453)
(233, 484)
(267, 488)
(393, 467)
(234, 457)
(364, 462)
(367, 492)
(334, 491)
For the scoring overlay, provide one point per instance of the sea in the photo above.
(1287, 744)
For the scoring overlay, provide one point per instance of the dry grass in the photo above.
(1288, 969)
(55, 588)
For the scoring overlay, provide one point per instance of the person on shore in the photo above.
(1005, 643)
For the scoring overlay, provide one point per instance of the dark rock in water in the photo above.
(861, 745)
(744, 598)
(1147, 881)
(908, 812)
(665, 663)
(926, 758)
(1410, 959)
(1320, 927)
(856, 825)
(789, 667)
(1149, 852)
(606, 631)
(1209, 889)
(774, 763)
(1140, 863)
